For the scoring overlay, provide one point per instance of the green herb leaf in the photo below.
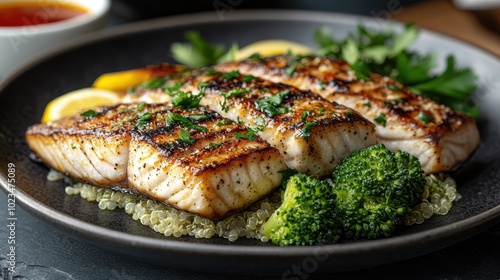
(185, 136)
(198, 52)
(154, 83)
(387, 53)
(186, 122)
(270, 105)
(223, 122)
(304, 114)
(143, 119)
(306, 130)
(231, 75)
(185, 100)
(425, 118)
(250, 135)
(89, 113)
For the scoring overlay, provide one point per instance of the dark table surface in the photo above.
(44, 252)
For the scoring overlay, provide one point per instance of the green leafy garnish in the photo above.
(304, 114)
(154, 83)
(380, 118)
(185, 136)
(186, 122)
(250, 135)
(141, 107)
(231, 75)
(198, 52)
(270, 105)
(306, 130)
(143, 118)
(425, 118)
(387, 53)
(229, 94)
(223, 122)
(186, 100)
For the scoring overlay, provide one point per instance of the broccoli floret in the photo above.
(306, 215)
(375, 189)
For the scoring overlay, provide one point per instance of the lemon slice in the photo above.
(272, 47)
(122, 80)
(78, 100)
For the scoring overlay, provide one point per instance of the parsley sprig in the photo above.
(388, 53)
(271, 105)
(184, 121)
(198, 52)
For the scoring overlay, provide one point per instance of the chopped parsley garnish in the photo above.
(171, 88)
(380, 118)
(185, 136)
(425, 118)
(387, 53)
(231, 75)
(186, 122)
(393, 87)
(321, 112)
(141, 107)
(214, 145)
(143, 118)
(198, 52)
(198, 117)
(306, 130)
(306, 113)
(367, 104)
(389, 104)
(250, 135)
(89, 113)
(232, 93)
(260, 122)
(255, 56)
(186, 100)
(223, 122)
(270, 105)
(203, 85)
(290, 69)
(248, 78)
(154, 83)
(212, 72)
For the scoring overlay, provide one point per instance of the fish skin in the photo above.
(212, 175)
(440, 144)
(336, 132)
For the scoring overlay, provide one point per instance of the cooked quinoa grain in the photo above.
(173, 222)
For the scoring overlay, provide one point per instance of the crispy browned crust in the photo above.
(335, 81)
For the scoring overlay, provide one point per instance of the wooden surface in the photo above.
(444, 17)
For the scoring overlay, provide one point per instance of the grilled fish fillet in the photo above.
(190, 159)
(438, 136)
(312, 134)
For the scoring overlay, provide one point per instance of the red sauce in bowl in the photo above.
(40, 12)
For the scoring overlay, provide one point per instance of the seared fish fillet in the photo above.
(190, 159)
(312, 134)
(438, 136)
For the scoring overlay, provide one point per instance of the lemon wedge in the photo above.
(122, 80)
(78, 100)
(272, 47)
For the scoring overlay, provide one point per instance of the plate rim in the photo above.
(471, 225)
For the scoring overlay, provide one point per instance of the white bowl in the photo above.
(21, 43)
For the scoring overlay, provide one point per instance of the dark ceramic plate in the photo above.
(24, 94)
